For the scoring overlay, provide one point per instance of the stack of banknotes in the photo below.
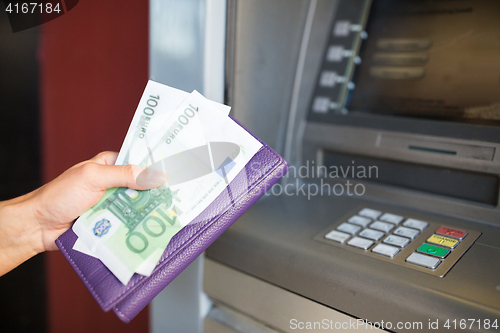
(200, 149)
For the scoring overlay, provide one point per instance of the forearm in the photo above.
(30, 224)
(20, 234)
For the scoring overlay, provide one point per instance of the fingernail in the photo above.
(150, 178)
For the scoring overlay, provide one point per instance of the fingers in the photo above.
(101, 176)
(106, 158)
(149, 178)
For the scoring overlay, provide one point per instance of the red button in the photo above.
(455, 233)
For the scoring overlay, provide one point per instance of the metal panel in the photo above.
(187, 44)
(273, 241)
(366, 142)
(212, 326)
(235, 321)
(376, 143)
(177, 43)
(276, 307)
(266, 51)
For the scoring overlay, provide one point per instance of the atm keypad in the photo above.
(415, 243)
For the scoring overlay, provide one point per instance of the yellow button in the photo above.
(443, 241)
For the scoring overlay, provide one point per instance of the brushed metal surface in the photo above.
(272, 305)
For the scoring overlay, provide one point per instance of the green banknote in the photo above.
(129, 230)
(127, 227)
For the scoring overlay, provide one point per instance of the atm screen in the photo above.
(434, 59)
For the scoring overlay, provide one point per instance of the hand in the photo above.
(30, 224)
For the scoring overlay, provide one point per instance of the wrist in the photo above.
(20, 233)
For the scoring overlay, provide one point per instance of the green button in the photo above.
(433, 250)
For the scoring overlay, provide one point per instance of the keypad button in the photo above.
(386, 250)
(342, 28)
(416, 224)
(382, 226)
(337, 236)
(335, 53)
(371, 213)
(406, 232)
(396, 219)
(321, 104)
(328, 79)
(443, 241)
(455, 233)
(423, 260)
(435, 251)
(359, 220)
(361, 243)
(371, 234)
(397, 241)
(349, 228)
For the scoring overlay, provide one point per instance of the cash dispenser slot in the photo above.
(467, 151)
(471, 186)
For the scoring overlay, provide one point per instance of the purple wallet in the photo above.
(264, 169)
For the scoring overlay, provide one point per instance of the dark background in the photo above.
(22, 291)
(68, 90)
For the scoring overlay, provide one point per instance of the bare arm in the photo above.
(30, 224)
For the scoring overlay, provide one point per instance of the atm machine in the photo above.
(389, 114)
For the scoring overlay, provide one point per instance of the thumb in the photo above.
(132, 176)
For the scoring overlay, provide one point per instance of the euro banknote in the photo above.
(200, 149)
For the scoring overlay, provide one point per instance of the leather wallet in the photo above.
(264, 169)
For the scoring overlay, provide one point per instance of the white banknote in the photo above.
(200, 149)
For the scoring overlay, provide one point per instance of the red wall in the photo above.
(94, 67)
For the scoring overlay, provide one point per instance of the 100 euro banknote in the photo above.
(127, 227)
(157, 104)
(128, 230)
